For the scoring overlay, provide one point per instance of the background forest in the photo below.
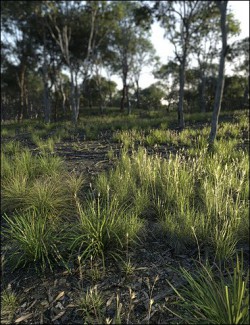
(54, 55)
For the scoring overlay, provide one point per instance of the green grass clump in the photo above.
(103, 228)
(33, 238)
(37, 181)
(92, 306)
(206, 192)
(9, 305)
(211, 297)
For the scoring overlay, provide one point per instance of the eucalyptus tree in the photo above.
(129, 47)
(169, 75)
(181, 20)
(145, 54)
(16, 28)
(205, 50)
(40, 34)
(205, 46)
(72, 26)
(239, 56)
(122, 45)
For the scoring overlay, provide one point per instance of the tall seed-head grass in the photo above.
(37, 181)
(208, 192)
(91, 304)
(74, 183)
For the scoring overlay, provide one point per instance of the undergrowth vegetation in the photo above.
(197, 197)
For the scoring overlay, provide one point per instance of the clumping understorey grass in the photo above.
(210, 297)
(196, 196)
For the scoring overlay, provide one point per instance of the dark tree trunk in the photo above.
(128, 101)
(46, 101)
(137, 94)
(246, 94)
(181, 94)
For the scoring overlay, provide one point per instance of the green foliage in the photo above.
(101, 228)
(151, 97)
(33, 239)
(194, 194)
(205, 192)
(212, 298)
(9, 304)
(91, 304)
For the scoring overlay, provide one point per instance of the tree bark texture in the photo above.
(46, 101)
(181, 94)
(22, 111)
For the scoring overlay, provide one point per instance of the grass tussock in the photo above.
(103, 228)
(206, 192)
(213, 297)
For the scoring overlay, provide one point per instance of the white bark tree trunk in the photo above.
(221, 76)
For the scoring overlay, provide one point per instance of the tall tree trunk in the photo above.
(246, 94)
(46, 101)
(137, 94)
(221, 77)
(181, 94)
(72, 97)
(128, 101)
(124, 81)
(21, 83)
(63, 101)
(77, 99)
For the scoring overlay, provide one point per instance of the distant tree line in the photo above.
(54, 54)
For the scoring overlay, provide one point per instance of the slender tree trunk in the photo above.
(221, 78)
(46, 101)
(21, 82)
(128, 101)
(77, 99)
(137, 94)
(246, 94)
(72, 97)
(181, 94)
(63, 98)
(124, 81)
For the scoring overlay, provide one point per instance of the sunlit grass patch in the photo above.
(206, 192)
